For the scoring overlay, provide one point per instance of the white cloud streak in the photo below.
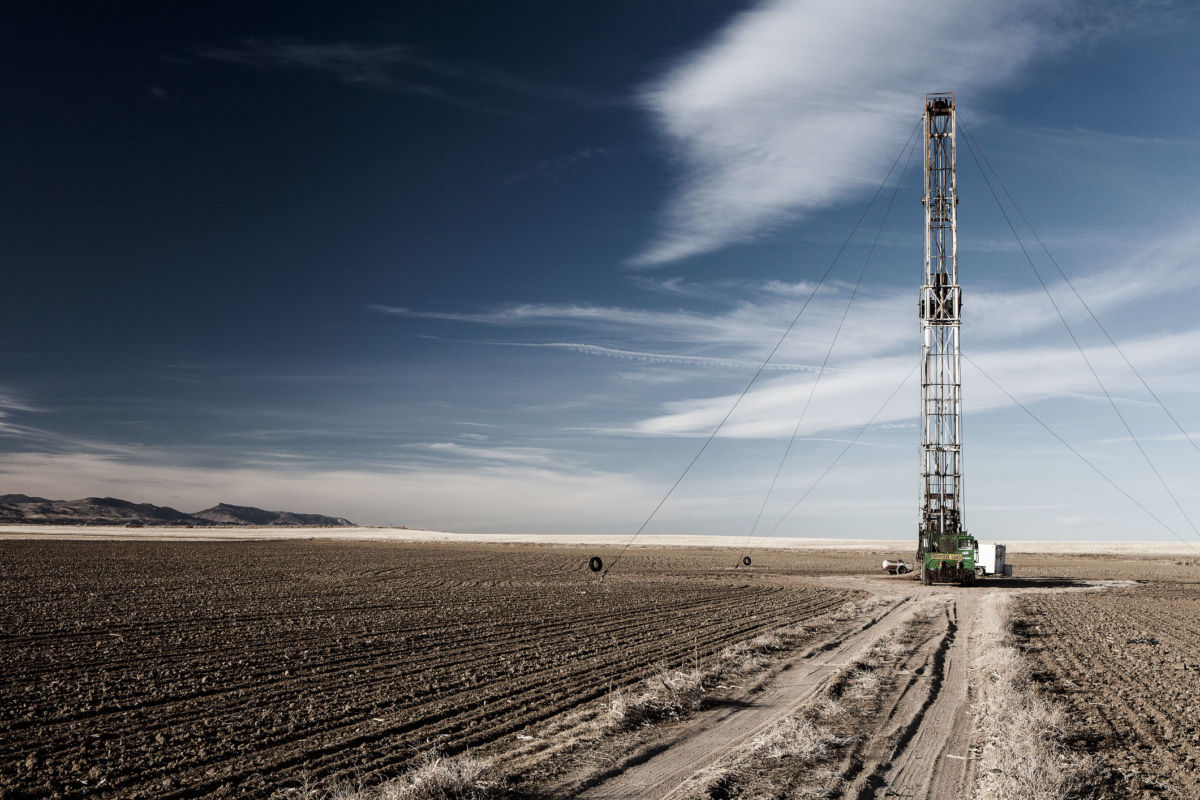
(661, 358)
(848, 398)
(1016, 335)
(393, 67)
(882, 321)
(800, 104)
(533, 456)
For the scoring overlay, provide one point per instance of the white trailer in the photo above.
(990, 560)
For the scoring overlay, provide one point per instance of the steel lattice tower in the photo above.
(940, 304)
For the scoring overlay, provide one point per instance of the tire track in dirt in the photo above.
(864, 770)
(924, 743)
(714, 734)
(932, 758)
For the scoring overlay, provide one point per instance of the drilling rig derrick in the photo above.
(945, 550)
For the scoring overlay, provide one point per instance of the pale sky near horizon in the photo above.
(503, 267)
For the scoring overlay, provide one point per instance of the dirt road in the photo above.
(932, 754)
(724, 730)
(921, 746)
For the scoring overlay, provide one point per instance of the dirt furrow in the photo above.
(209, 685)
(716, 733)
(865, 770)
(267, 693)
(934, 761)
(472, 721)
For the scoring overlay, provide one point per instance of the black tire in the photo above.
(901, 570)
(746, 560)
(926, 577)
(979, 572)
(595, 564)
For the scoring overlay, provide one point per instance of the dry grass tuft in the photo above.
(796, 738)
(437, 778)
(745, 657)
(796, 633)
(666, 695)
(1024, 755)
(860, 608)
(434, 777)
(862, 684)
(740, 659)
(848, 611)
(825, 783)
(829, 707)
(887, 651)
(714, 781)
(766, 642)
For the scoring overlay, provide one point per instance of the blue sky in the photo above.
(504, 266)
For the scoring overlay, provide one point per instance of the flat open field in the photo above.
(607, 542)
(206, 669)
(1126, 665)
(177, 669)
(371, 534)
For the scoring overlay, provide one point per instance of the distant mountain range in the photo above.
(22, 508)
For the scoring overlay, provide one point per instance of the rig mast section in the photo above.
(941, 528)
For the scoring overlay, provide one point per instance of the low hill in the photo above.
(21, 508)
(226, 514)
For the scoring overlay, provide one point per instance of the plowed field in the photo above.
(1126, 664)
(177, 669)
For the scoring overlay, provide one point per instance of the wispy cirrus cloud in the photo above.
(399, 68)
(800, 104)
(881, 321)
(647, 357)
(847, 398)
(679, 326)
(531, 456)
(10, 402)
(742, 333)
(551, 169)
(1013, 333)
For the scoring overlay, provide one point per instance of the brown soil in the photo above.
(914, 739)
(709, 737)
(171, 670)
(204, 669)
(1126, 664)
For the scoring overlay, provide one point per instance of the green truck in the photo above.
(947, 558)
